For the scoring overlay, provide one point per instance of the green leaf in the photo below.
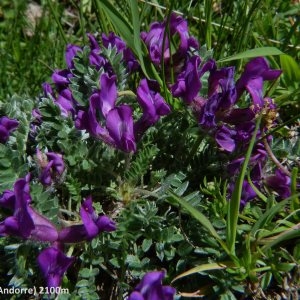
(199, 217)
(120, 23)
(290, 68)
(234, 203)
(262, 51)
(146, 244)
(267, 217)
(137, 33)
(205, 267)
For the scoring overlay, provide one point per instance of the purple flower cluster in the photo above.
(51, 165)
(26, 223)
(7, 125)
(218, 112)
(151, 288)
(100, 116)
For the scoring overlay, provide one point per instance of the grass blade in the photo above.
(234, 203)
(262, 51)
(205, 267)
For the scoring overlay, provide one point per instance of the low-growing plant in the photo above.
(145, 158)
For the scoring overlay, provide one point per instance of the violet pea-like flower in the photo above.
(151, 288)
(26, 222)
(256, 72)
(119, 123)
(71, 52)
(53, 264)
(188, 83)
(225, 138)
(66, 102)
(52, 165)
(108, 93)
(91, 227)
(280, 183)
(153, 105)
(7, 125)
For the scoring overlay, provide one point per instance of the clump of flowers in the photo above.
(27, 223)
(151, 288)
(94, 97)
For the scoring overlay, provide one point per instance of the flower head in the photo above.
(25, 221)
(91, 227)
(280, 183)
(71, 52)
(256, 72)
(119, 123)
(53, 264)
(151, 288)
(7, 125)
(52, 165)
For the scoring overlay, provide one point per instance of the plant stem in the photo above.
(274, 159)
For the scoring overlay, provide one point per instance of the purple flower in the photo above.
(188, 82)
(53, 264)
(26, 222)
(280, 183)
(256, 72)
(61, 78)
(7, 125)
(119, 123)
(151, 288)
(108, 93)
(91, 227)
(154, 40)
(152, 103)
(71, 52)
(225, 138)
(93, 42)
(113, 40)
(8, 199)
(65, 102)
(47, 90)
(52, 165)
(247, 195)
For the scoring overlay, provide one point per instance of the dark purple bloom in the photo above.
(7, 125)
(36, 115)
(256, 72)
(154, 40)
(53, 264)
(70, 54)
(91, 227)
(113, 40)
(52, 165)
(47, 90)
(93, 42)
(96, 59)
(61, 78)
(26, 222)
(119, 123)
(258, 157)
(247, 195)
(152, 103)
(66, 102)
(280, 183)
(225, 138)
(244, 131)
(238, 116)
(151, 288)
(188, 82)
(107, 94)
(8, 199)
